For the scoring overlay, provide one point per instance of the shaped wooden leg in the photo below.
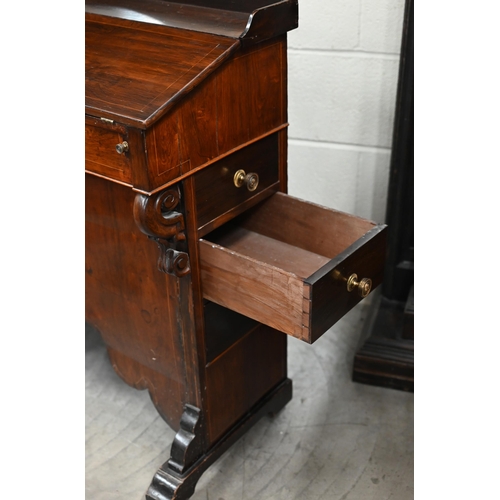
(177, 478)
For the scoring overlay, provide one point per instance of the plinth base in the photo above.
(386, 357)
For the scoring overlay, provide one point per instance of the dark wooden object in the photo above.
(386, 358)
(186, 150)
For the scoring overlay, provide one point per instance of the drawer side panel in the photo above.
(257, 290)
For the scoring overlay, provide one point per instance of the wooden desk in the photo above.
(197, 262)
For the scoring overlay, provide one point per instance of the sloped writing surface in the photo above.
(135, 72)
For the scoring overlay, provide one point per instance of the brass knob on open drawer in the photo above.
(364, 286)
(122, 147)
(251, 180)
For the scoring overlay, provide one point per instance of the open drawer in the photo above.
(293, 265)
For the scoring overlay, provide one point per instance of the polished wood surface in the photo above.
(202, 18)
(171, 114)
(235, 106)
(300, 223)
(329, 299)
(135, 72)
(243, 101)
(250, 20)
(101, 157)
(179, 111)
(250, 368)
(223, 328)
(216, 192)
(128, 299)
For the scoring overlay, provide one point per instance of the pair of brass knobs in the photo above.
(251, 180)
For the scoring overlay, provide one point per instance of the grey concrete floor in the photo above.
(336, 439)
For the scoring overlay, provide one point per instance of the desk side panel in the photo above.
(133, 305)
(241, 101)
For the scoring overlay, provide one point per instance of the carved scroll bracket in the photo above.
(156, 217)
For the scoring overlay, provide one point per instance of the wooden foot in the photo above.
(386, 357)
(176, 479)
(167, 486)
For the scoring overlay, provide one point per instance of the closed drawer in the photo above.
(218, 198)
(292, 265)
(101, 156)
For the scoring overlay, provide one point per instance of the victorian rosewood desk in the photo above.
(197, 262)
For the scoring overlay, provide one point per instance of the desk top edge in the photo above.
(171, 19)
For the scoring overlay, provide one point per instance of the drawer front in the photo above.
(219, 199)
(292, 265)
(101, 156)
(330, 298)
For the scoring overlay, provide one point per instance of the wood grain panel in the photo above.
(100, 151)
(129, 300)
(258, 290)
(329, 297)
(160, 64)
(251, 20)
(223, 328)
(207, 19)
(242, 375)
(163, 146)
(161, 388)
(286, 272)
(215, 189)
(198, 125)
(307, 225)
(250, 95)
(290, 258)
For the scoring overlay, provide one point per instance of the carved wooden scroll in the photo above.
(156, 217)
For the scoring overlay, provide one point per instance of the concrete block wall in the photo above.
(343, 63)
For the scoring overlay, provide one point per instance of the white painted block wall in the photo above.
(343, 63)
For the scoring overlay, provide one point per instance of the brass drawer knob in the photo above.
(122, 147)
(251, 180)
(364, 286)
